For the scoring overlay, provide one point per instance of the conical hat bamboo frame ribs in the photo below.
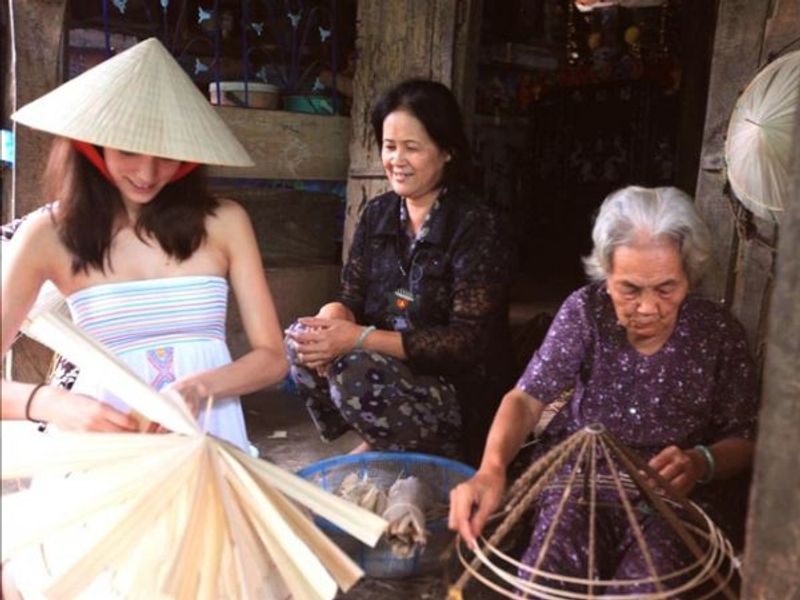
(711, 572)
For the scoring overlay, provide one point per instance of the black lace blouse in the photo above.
(446, 291)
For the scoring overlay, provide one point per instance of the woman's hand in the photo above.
(194, 392)
(483, 493)
(323, 340)
(78, 412)
(681, 468)
(335, 310)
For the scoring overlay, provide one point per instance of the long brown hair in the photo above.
(89, 206)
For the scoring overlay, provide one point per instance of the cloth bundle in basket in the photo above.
(384, 468)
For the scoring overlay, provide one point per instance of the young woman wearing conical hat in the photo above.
(141, 251)
(144, 255)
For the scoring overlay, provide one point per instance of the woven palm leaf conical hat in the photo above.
(759, 143)
(138, 101)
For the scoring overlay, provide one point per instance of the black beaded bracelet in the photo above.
(35, 389)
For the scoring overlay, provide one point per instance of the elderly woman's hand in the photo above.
(681, 468)
(473, 502)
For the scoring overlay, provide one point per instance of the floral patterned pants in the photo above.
(379, 397)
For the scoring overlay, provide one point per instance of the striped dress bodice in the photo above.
(131, 315)
(164, 329)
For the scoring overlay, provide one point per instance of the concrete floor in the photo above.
(276, 411)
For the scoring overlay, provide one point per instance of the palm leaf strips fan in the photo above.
(182, 515)
(758, 147)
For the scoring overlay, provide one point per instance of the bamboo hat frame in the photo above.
(710, 573)
(138, 101)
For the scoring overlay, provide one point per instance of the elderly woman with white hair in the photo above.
(664, 370)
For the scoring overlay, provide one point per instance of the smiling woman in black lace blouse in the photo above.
(415, 352)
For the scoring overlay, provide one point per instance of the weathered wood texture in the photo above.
(755, 261)
(292, 227)
(38, 41)
(396, 39)
(747, 36)
(469, 16)
(772, 556)
(737, 56)
(298, 291)
(286, 145)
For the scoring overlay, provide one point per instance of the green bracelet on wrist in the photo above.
(710, 462)
(363, 336)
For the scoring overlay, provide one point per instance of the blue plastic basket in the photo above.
(440, 474)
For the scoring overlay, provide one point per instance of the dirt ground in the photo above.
(268, 415)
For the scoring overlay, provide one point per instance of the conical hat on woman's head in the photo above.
(139, 101)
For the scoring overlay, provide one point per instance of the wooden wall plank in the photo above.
(288, 145)
(38, 41)
(737, 50)
(38, 45)
(772, 555)
(755, 260)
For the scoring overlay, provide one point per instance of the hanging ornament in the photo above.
(203, 14)
(572, 37)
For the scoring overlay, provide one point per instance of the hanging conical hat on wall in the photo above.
(759, 143)
(139, 101)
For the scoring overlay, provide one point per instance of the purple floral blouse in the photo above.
(700, 387)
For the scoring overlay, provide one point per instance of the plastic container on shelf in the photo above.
(309, 103)
(259, 95)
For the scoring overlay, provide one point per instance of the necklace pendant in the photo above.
(403, 299)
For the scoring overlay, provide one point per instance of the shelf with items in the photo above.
(288, 145)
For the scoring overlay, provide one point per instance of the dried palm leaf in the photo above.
(181, 515)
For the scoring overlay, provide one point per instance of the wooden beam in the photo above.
(737, 56)
(755, 260)
(38, 34)
(288, 145)
(37, 39)
(772, 554)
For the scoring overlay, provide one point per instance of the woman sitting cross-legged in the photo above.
(416, 351)
(665, 371)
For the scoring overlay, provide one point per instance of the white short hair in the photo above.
(656, 212)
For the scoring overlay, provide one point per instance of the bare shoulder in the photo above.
(35, 243)
(38, 229)
(231, 209)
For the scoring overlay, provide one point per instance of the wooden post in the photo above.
(37, 35)
(747, 36)
(737, 53)
(772, 555)
(397, 39)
